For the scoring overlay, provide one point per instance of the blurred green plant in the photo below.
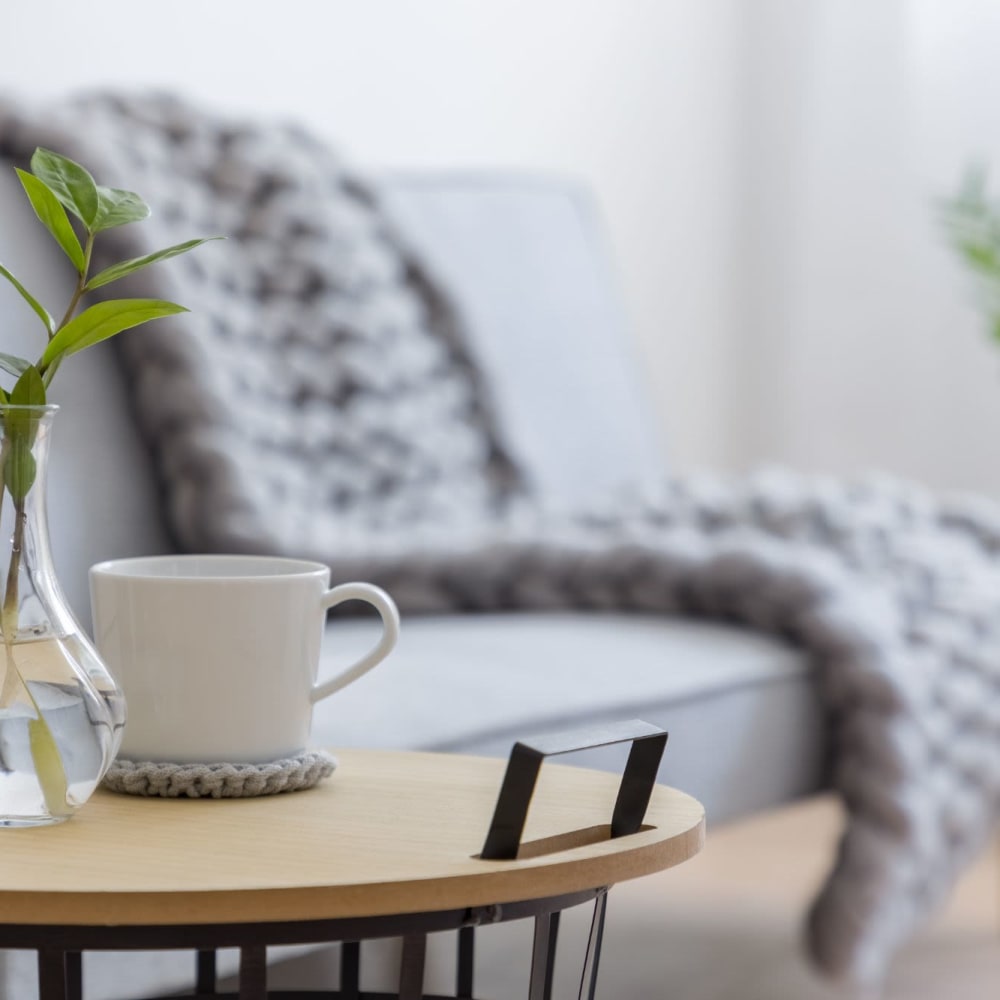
(972, 223)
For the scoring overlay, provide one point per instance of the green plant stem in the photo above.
(44, 750)
(10, 595)
(81, 286)
(8, 624)
(13, 682)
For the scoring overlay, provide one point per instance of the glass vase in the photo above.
(61, 713)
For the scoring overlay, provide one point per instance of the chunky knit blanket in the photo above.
(321, 400)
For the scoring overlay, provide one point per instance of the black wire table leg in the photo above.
(253, 972)
(411, 967)
(466, 963)
(350, 970)
(592, 959)
(205, 980)
(51, 974)
(543, 956)
(73, 965)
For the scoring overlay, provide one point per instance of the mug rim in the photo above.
(150, 568)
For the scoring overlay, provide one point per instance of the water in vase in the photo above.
(58, 732)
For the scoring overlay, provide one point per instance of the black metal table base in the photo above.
(60, 950)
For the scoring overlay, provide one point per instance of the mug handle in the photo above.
(389, 614)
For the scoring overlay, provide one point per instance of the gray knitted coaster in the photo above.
(220, 781)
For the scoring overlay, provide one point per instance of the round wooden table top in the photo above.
(388, 833)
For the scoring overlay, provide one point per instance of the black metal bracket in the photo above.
(648, 743)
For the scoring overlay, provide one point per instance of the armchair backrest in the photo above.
(526, 259)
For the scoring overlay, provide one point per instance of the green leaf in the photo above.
(43, 314)
(53, 216)
(126, 267)
(69, 182)
(995, 328)
(102, 321)
(19, 468)
(28, 390)
(14, 365)
(979, 257)
(20, 428)
(49, 767)
(116, 207)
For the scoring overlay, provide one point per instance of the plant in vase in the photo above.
(61, 714)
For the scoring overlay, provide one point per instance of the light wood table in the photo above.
(388, 846)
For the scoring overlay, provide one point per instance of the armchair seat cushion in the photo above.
(742, 704)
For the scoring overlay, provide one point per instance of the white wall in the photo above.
(634, 96)
(766, 167)
(862, 349)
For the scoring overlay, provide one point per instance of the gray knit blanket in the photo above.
(321, 400)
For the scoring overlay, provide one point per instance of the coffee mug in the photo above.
(218, 655)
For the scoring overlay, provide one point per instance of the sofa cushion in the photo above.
(746, 727)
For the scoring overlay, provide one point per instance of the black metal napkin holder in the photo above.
(648, 743)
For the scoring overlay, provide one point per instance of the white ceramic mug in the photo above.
(218, 655)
